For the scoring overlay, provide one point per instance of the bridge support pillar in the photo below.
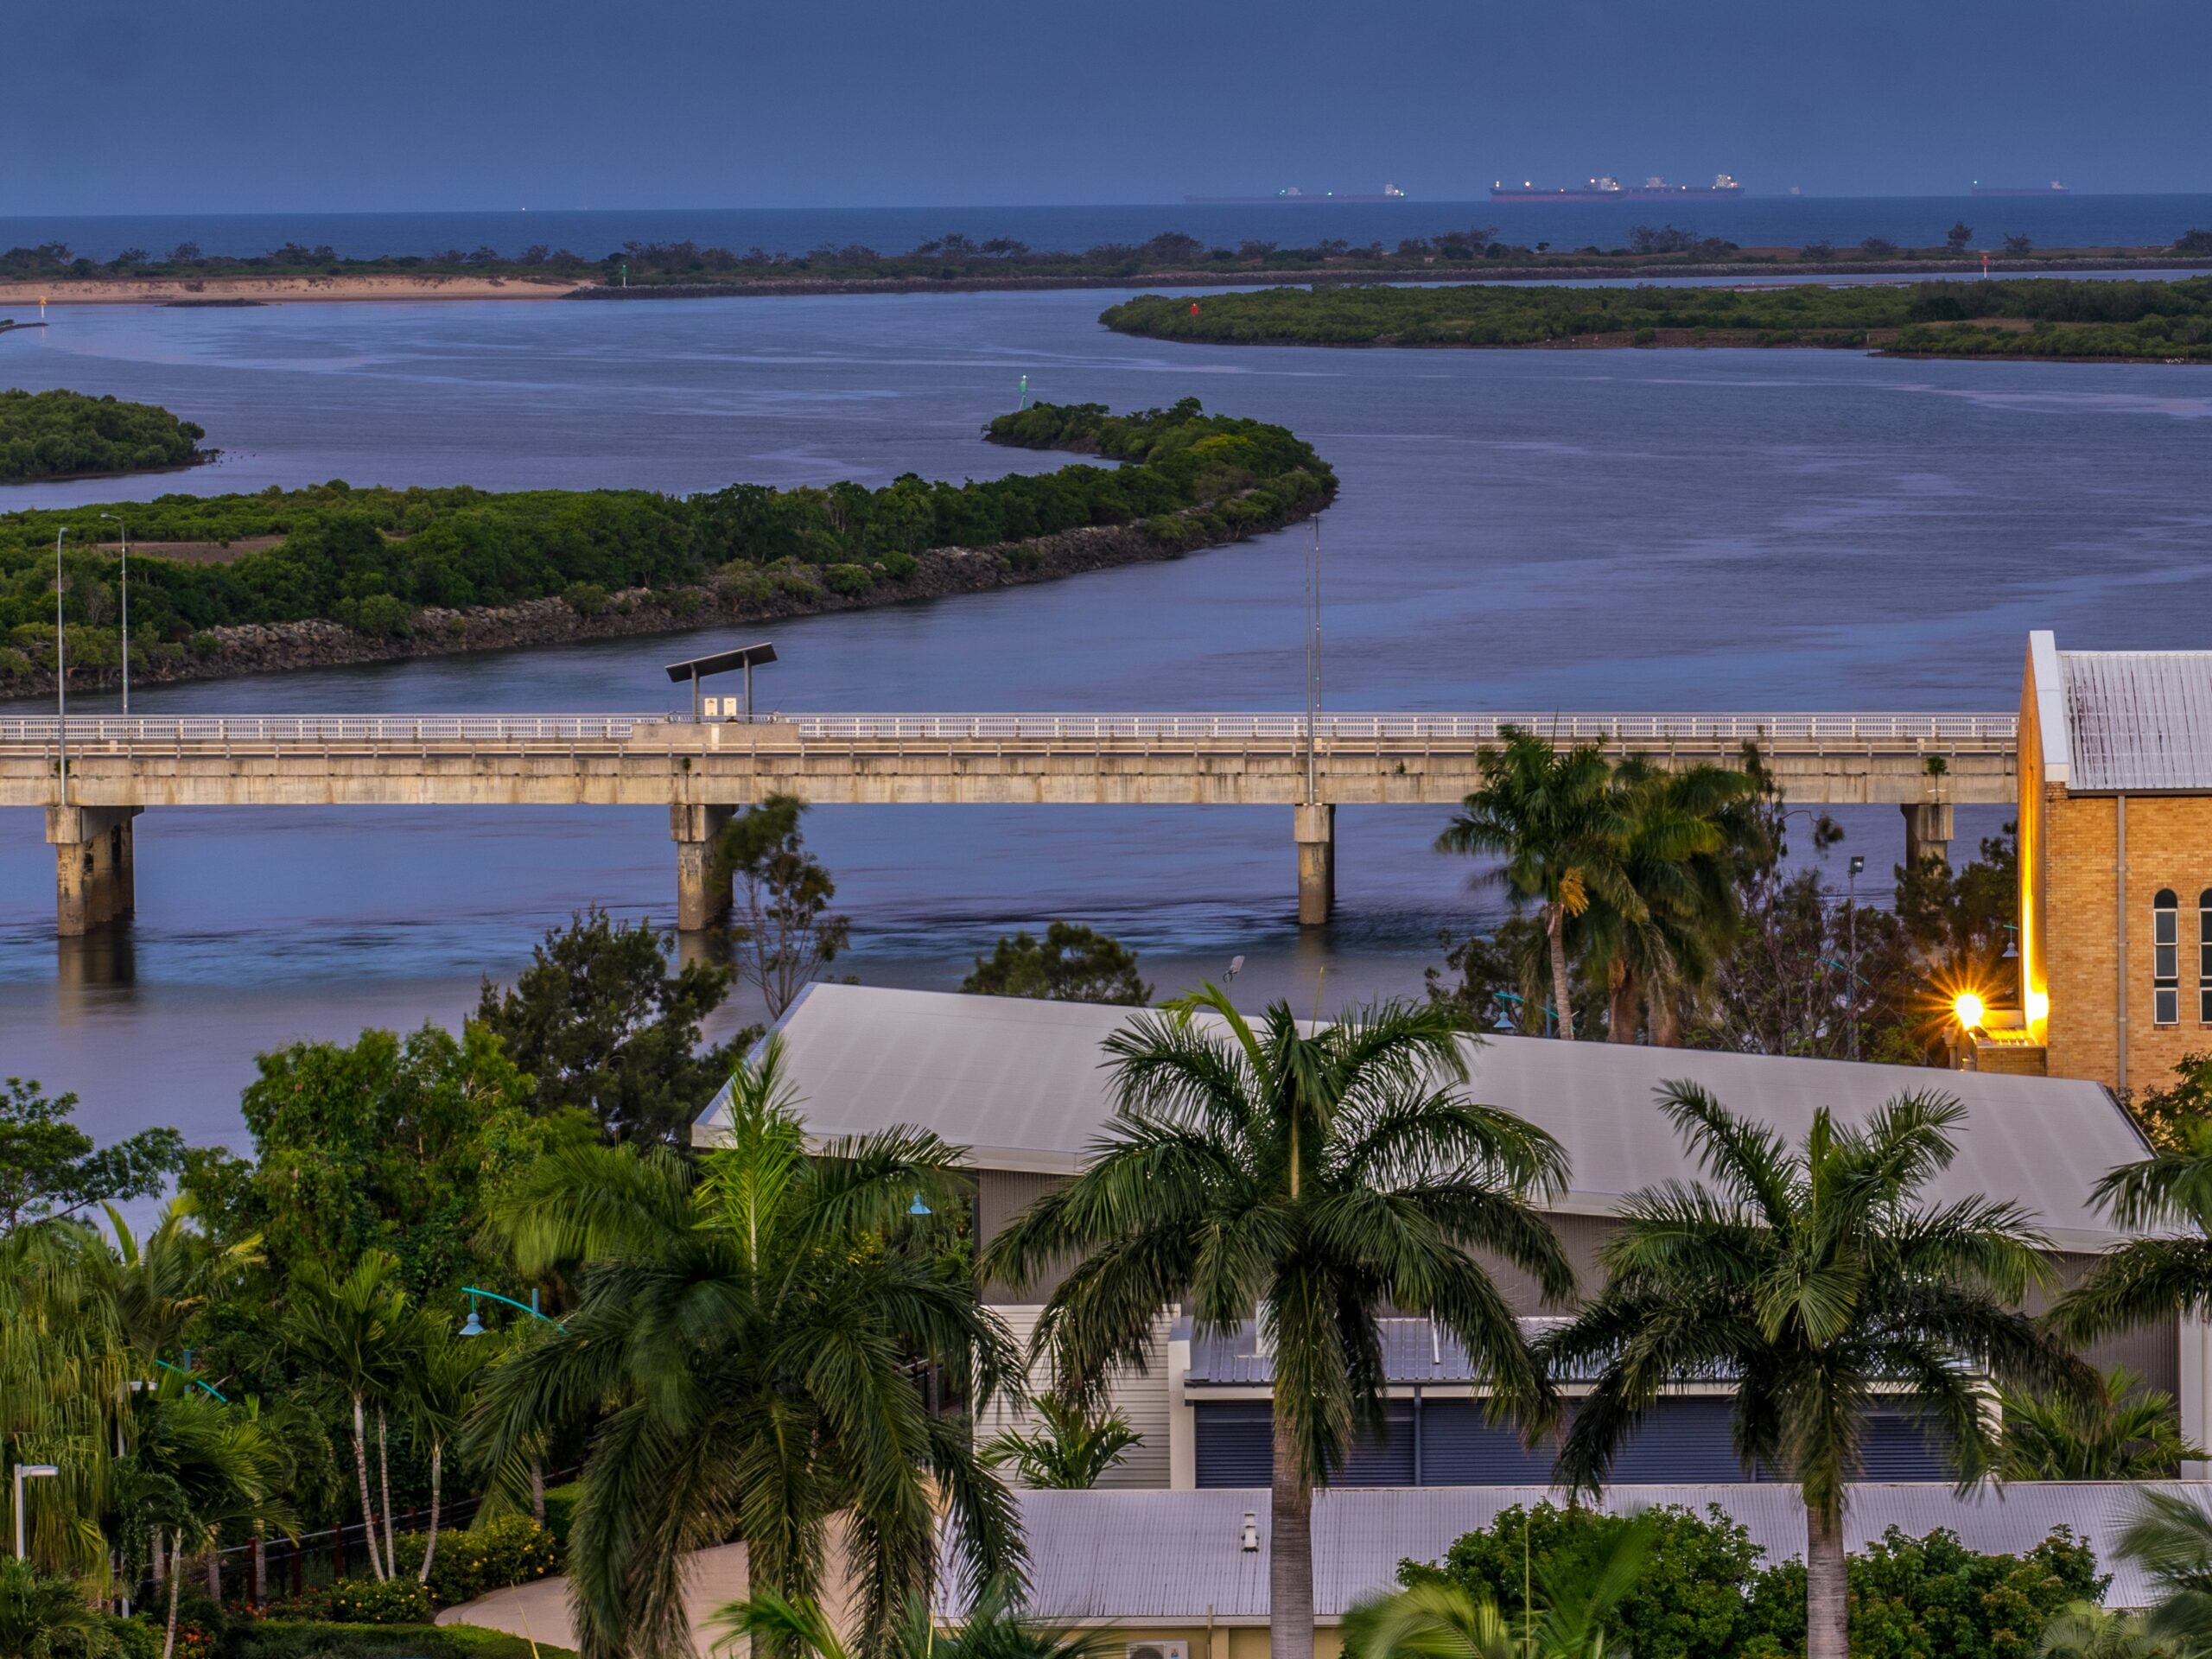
(95, 874)
(1927, 831)
(701, 901)
(1314, 829)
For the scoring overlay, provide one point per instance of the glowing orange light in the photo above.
(1969, 1009)
(2038, 1007)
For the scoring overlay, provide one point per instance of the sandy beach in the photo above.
(18, 298)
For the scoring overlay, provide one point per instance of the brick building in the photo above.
(2115, 843)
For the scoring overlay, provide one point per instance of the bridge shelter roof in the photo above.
(1022, 1084)
(2139, 720)
(722, 662)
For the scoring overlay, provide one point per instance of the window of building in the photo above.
(2165, 958)
(2204, 955)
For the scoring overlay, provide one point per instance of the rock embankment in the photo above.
(745, 597)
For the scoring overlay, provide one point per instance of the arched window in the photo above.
(2205, 956)
(2165, 958)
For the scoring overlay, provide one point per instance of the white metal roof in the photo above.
(2138, 720)
(1130, 1557)
(1019, 1082)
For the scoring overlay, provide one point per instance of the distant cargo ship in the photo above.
(1390, 192)
(2054, 188)
(1613, 190)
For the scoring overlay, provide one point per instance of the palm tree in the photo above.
(1816, 1280)
(1561, 827)
(1443, 1619)
(353, 1331)
(1688, 833)
(991, 1630)
(2170, 1538)
(2149, 1278)
(195, 1465)
(440, 1386)
(160, 1285)
(1309, 1180)
(1069, 1450)
(748, 1342)
(2085, 1630)
(45, 1617)
(2125, 1432)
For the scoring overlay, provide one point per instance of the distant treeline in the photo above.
(955, 257)
(67, 435)
(373, 558)
(2036, 317)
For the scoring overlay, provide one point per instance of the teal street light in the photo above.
(190, 1378)
(26, 1471)
(473, 1325)
(917, 1208)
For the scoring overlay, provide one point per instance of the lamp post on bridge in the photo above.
(117, 518)
(61, 675)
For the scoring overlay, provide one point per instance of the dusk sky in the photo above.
(249, 105)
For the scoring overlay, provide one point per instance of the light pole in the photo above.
(60, 672)
(126, 607)
(1312, 661)
(1851, 903)
(26, 1471)
(473, 1326)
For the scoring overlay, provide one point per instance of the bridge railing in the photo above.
(1992, 731)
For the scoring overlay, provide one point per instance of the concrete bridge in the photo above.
(93, 774)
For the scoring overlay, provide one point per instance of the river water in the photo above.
(1654, 530)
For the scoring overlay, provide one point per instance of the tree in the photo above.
(2170, 1538)
(1074, 964)
(1556, 819)
(2193, 242)
(354, 1330)
(2125, 1432)
(435, 1394)
(990, 1629)
(1070, 1450)
(2084, 1630)
(606, 1026)
(46, 1616)
(1576, 1618)
(1311, 1181)
(2171, 1115)
(1813, 1277)
(2152, 1277)
(2019, 243)
(744, 1347)
(783, 932)
(49, 1168)
(1958, 236)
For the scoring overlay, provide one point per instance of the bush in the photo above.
(285, 1639)
(385, 617)
(585, 598)
(491, 1556)
(852, 579)
(66, 434)
(362, 1601)
(899, 566)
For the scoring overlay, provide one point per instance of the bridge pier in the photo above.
(1314, 828)
(95, 874)
(1927, 831)
(701, 901)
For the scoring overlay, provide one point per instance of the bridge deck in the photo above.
(1141, 758)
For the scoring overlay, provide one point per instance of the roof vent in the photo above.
(1251, 1542)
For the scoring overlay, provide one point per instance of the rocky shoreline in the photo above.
(765, 595)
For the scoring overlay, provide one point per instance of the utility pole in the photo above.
(61, 674)
(1312, 661)
(1850, 901)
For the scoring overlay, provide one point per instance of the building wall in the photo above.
(1218, 1642)
(1144, 1400)
(1000, 1195)
(2169, 845)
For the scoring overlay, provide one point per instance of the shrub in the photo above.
(491, 1556)
(284, 1638)
(362, 1601)
(853, 579)
(585, 598)
(899, 566)
(383, 616)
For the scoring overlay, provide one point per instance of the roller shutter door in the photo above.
(1235, 1442)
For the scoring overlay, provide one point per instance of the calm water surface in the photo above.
(1541, 530)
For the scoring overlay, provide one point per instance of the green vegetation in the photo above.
(373, 558)
(1068, 1450)
(1353, 1183)
(1810, 1276)
(1073, 964)
(956, 257)
(2123, 1432)
(67, 435)
(2039, 317)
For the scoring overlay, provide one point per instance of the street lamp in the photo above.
(61, 674)
(473, 1326)
(1851, 902)
(26, 1471)
(126, 607)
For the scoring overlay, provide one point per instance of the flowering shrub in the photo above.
(360, 1601)
(512, 1549)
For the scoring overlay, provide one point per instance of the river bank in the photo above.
(404, 286)
(793, 591)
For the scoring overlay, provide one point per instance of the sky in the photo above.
(273, 106)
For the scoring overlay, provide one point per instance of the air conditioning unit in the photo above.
(1159, 1650)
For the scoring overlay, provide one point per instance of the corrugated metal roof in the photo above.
(1020, 1084)
(1126, 1557)
(2139, 720)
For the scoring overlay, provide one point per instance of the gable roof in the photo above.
(1020, 1084)
(2137, 720)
